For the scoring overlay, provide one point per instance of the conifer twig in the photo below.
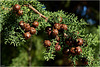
(36, 11)
(41, 15)
(6, 8)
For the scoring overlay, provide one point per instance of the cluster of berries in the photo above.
(53, 32)
(74, 46)
(28, 29)
(16, 9)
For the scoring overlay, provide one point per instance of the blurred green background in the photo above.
(18, 56)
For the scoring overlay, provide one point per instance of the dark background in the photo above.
(72, 7)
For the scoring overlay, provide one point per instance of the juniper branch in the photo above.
(41, 15)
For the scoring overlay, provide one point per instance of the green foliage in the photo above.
(49, 53)
(12, 33)
(21, 60)
(37, 54)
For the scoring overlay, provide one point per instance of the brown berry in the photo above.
(16, 7)
(27, 35)
(55, 32)
(20, 12)
(57, 38)
(72, 50)
(78, 50)
(64, 27)
(47, 43)
(32, 30)
(79, 41)
(57, 47)
(24, 25)
(21, 23)
(27, 27)
(57, 26)
(36, 24)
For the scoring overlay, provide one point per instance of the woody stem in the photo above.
(41, 15)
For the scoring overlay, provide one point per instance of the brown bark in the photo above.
(29, 54)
